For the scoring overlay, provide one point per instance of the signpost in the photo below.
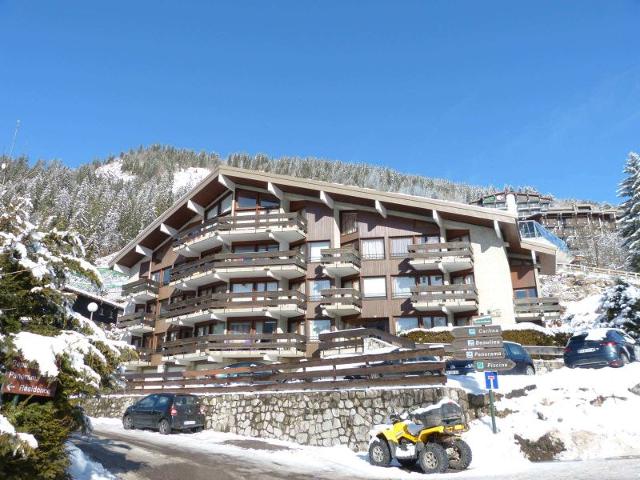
(482, 344)
(22, 380)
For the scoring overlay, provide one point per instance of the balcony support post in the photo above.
(167, 230)
(326, 199)
(382, 210)
(440, 223)
(196, 208)
(224, 180)
(147, 252)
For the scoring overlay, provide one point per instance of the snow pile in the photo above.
(44, 351)
(82, 468)
(113, 170)
(583, 314)
(591, 412)
(20, 442)
(187, 178)
(435, 406)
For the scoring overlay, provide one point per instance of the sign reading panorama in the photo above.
(482, 343)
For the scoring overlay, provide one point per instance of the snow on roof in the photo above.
(596, 334)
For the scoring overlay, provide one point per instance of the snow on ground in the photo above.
(187, 178)
(82, 468)
(19, 440)
(113, 170)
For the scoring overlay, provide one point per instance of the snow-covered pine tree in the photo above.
(38, 327)
(621, 306)
(630, 220)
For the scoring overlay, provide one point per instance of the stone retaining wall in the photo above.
(309, 418)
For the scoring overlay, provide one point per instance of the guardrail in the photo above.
(141, 285)
(460, 291)
(354, 338)
(344, 296)
(340, 255)
(606, 271)
(264, 341)
(388, 369)
(544, 351)
(440, 250)
(135, 319)
(536, 307)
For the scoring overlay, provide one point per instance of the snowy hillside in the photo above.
(185, 179)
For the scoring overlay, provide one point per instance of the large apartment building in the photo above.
(251, 265)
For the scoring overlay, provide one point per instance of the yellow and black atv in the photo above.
(432, 440)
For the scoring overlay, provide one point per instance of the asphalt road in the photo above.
(130, 457)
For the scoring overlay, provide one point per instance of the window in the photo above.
(400, 246)
(147, 402)
(155, 276)
(268, 202)
(247, 200)
(315, 248)
(220, 208)
(525, 293)
(463, 280)
(166, 276)
(437, 321)
(374, 287)
(406, 323)
(429, 239)
(316, 327)
(316, 287)
(402, 286)
(430, 280)
(348, 223)
(372, 249)
(239, 328)
(161, 402)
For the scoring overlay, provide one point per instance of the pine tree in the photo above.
(630, 220)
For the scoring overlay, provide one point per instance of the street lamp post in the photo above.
(92, 307)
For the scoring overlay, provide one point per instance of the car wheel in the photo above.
(460, 456)
(127, 422)
(163, 427)
(530, 370)
(433, 458)
(379, 454)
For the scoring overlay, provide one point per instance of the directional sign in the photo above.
(487, 320)
(23, 380)
(491, 380)
(485, 354)
(470, 332)
(493, 365)
(481, 342)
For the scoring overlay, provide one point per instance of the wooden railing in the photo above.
(605, 271)
(252, 222)
(443, 293)
(240, 260)
(354, 338)
(137, 318)
(229, 301)
(362, 371)
(537, 307)
(345, 296)
(263, 341)
(340, 255)
(140, 286)
(440, 250)
(144, 353)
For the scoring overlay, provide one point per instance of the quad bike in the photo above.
(432, 440)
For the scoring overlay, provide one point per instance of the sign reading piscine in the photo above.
(23, 380)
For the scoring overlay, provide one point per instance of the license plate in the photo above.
(586, 350)
(452, 372)
(189, 422)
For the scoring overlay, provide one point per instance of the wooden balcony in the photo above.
(219, 306)
(141, 290)
(190, 275)
(446, 257)
(137, 323)
(339, 302)
(143, 360)
(340, 262)
(452, 298)
(537, 309)
(288, 227)
(286, 264)
(218, 347)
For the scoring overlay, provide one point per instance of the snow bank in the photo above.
(82, 468)
(20, 441)
(187, 178)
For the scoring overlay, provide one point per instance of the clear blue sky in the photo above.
(545, 93)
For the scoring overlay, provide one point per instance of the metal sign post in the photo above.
(491, 382)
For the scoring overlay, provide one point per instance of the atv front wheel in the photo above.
(433, 458)
(379, 454)
(459, 453)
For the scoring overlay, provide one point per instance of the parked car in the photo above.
(601, 347)
(512, 351)
(165, 412)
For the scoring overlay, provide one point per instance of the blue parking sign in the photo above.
(491, 380)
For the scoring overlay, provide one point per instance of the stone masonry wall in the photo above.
(309, 418)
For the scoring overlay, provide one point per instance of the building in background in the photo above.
(566, 222)
(524, 204)
(251, 265)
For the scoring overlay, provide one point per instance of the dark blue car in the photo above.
(601, 347)
(512, 351)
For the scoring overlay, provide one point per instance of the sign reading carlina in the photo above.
(23, 380)
(473, 332)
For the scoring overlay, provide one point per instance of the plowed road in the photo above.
(135, 455)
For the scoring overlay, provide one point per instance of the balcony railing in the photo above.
(537, 308)
(439, 251)
(341, 296)
(259, 259)
(137, 319)
(340, 255)
(141, 287)
(460, 297)
(144, 353)
(243, 223)
(185, 270)
(231, 301)
(230, 342)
